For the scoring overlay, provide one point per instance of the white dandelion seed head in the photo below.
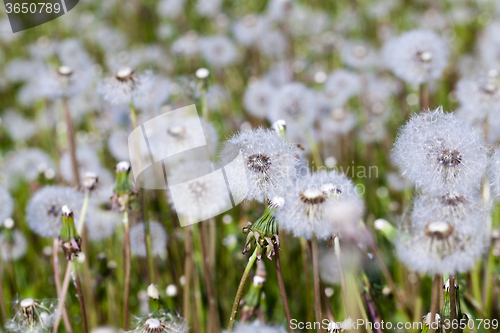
(279, 10)
(333, 120)
(480, 93)
(440, 153)
(170, 8)
(493, 173)
(270, 162)
(13, 245)
(219, 51)
(8, 223)
(18, 127)
(118, 145)
(43, 211)
(158, 239)
(307, 21)
(155, 97)
(202, 73)
(63, 81)
(166, 324)
(187, 45)
(311, 204)
(249, 29)
(295, 104)
(447, 234)
(373, 131)
(6, 205)
(153, 292)
(258, 97)
(217, 96)
(208, 8)
(273, 44)
(171, 290)
(87, 160)
(341, 85)
(101, 223)
(26, 164)
(416, 56)
(256, 326)
(125, 85)
(358, 54)
(489, 45)
(104, 329)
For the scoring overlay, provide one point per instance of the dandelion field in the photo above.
(347, 178)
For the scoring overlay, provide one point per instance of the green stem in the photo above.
(70, 132)
(316, 280)
(436, 288)
(281, 284)
(81, 300)
(126, 290)
(453, 303)
(239, 293)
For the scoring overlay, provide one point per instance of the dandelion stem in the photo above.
(307, 272)
(343, 285)
(281, 284)
(239, 293)
(316, 280)
(67, 275)
(57, 280)
(453, 302)
(213, 322)
(70, 132)
(81, 299)
(434, 302)
(188, 266)
(126, 290)
(3, 307)
(424, 97)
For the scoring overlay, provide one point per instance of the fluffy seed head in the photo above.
(158, 239)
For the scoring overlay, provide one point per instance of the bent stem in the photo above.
(239, 293)
(316, 280)
(70, 132)
(67, 275)
(281, 284)
(81, 300)
(126, 291)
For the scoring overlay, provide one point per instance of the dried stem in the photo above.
(126, 289)
(316, 280)
(81, 299)
(188, 267)
(239, 293)
(70, 132)
(213, 315)
(281, 284)
(305, 262)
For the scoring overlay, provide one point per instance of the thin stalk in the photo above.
(316, 280)
(57, 280)
(213, 315)
(126, 290)
(453, 304)
(436, 288)
(281, 284)
(188, 260)
(70, 132)
(3, 308)
(67, 275)
(147, 232)
(81, 299)
(314, 150)
(424, 97)
(373, 313)
(241, 287)
(361, 308)
(328, 306)
(343, 284)
(305, 265)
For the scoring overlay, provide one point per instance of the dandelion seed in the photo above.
(417, 56)
(158, 239)
(166, 324)
(441, 153)
(31, 316)
(270, 162)
(43, 211)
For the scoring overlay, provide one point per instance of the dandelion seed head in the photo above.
(270, 162)
(309, 205)
(295, 104)
(258, 97)
(26, 164)
(101, 223)
(43, 211)
(219, 51)
(357, 54)
(440, 153)
(249, 29)
(170, 8)
(208, 8)
(341, 85)
(187, 45)
(273, 44)
(125, 85)
(480, 93)
(87, 160)
(13, 245)
(256, 326)
(158, 239)
(18, 127)
(416, 56)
